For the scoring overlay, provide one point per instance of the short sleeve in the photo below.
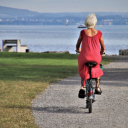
(99, 34)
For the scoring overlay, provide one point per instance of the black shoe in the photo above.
(98, 92)
(81, 93)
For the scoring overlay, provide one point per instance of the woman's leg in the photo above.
(83, 82)
(98, 89)
(97, 84)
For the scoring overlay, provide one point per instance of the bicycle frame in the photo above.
(89, 89)
(90, 95)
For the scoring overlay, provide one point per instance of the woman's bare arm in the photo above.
(78, 43)
(102, 45)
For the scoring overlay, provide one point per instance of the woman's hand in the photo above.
(78, 50)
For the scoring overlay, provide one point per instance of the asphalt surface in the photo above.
(60, 107)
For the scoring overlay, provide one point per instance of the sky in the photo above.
(54, 6)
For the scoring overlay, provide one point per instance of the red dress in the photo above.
(90, 51)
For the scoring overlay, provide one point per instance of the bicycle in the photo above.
(90, 90)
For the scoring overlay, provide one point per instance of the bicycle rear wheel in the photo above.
(90, 106)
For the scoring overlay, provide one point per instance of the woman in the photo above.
(92, 47)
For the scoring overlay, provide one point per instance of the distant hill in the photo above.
(14, 16)
(13, 12)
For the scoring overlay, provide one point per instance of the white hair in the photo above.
(91, 20)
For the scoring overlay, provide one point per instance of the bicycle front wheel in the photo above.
(90, 106)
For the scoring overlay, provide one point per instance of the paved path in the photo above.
(60, 107)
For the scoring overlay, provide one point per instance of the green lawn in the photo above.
(23, 76)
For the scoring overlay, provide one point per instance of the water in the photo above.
(63, 38)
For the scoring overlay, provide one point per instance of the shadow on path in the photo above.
(63, 110)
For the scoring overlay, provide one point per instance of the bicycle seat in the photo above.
(91, 64)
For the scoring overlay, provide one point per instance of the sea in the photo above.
(63, 38)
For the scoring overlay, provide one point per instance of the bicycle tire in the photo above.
(87, 104)
(90, 106)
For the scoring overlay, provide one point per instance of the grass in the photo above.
(23, 76)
